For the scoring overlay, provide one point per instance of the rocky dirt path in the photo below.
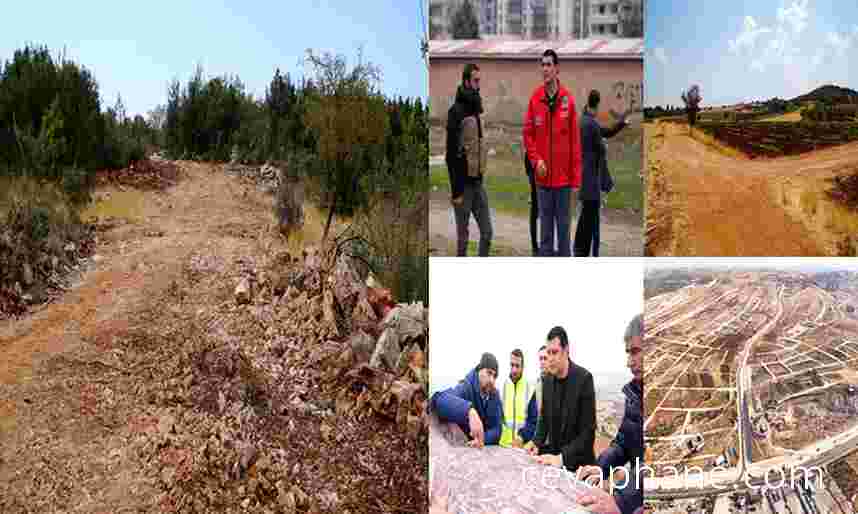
(704, 203)
(146, 388)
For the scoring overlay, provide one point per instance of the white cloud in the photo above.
(661, 55)
(780, 50)
(748, 37)
(795, 16)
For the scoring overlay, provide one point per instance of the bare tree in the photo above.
(349, 119)
(692, 100)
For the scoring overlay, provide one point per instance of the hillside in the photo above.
(828, 91)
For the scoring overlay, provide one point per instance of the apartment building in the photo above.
(540, 19)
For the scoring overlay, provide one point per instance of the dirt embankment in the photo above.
(703, 200)
(154, 385)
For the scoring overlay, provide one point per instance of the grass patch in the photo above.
(628, 186)
(509, 189)
(708, 140)
(127, 205)
(791, 117)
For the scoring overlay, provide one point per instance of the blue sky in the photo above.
(135, 49)
(741, 51)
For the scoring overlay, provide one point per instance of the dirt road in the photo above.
(702, 201)
(90, 418)
(621, 233)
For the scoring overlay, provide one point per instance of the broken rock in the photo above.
(363, 313)
(407, 320)
(242, 291)
(362, 347)
(386, 350)
(348, 287)
(27, 274)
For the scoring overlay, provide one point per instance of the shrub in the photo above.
(394, 234)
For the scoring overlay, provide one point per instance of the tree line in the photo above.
(52, 125)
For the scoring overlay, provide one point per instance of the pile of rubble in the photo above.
(318, 407)
(152, 174)
(26, 280)
(266, 177)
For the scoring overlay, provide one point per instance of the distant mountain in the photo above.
(828, 92)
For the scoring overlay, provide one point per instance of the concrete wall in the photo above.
(507, 85)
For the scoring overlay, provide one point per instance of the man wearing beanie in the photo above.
(627, 446)
(474, 404)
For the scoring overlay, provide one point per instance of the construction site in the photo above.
(749, 372)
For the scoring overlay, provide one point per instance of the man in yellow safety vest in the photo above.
(519, 406)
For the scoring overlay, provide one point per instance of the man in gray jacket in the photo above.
(595, 178)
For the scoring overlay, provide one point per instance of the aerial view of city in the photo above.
(751, 389)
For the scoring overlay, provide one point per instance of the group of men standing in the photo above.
(561, 156)
(554, 420)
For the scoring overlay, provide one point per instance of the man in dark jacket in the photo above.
(566, 429)
(627, 447)
(594, 179)
(468, 194)
(474, 404)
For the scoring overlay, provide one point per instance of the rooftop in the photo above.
(623, 48)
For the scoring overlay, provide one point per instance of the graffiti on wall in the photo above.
(504, 87)
(628, 94)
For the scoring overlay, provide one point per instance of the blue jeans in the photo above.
(554, 215)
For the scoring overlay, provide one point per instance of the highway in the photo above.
(820, 454)
(743, 381)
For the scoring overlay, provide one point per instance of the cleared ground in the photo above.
(144, 387)
(773, 345)
(705, 199)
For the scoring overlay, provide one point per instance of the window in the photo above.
(601, 9)
(614, 8)
(614, 29)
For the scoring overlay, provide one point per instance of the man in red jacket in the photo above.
(553, 143)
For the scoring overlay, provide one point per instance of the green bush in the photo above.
(76, 184)
(52, 127)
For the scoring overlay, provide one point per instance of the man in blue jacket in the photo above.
(627, 446)
(474, 404)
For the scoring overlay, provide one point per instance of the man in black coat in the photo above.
(567, 423)
(595, 178)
